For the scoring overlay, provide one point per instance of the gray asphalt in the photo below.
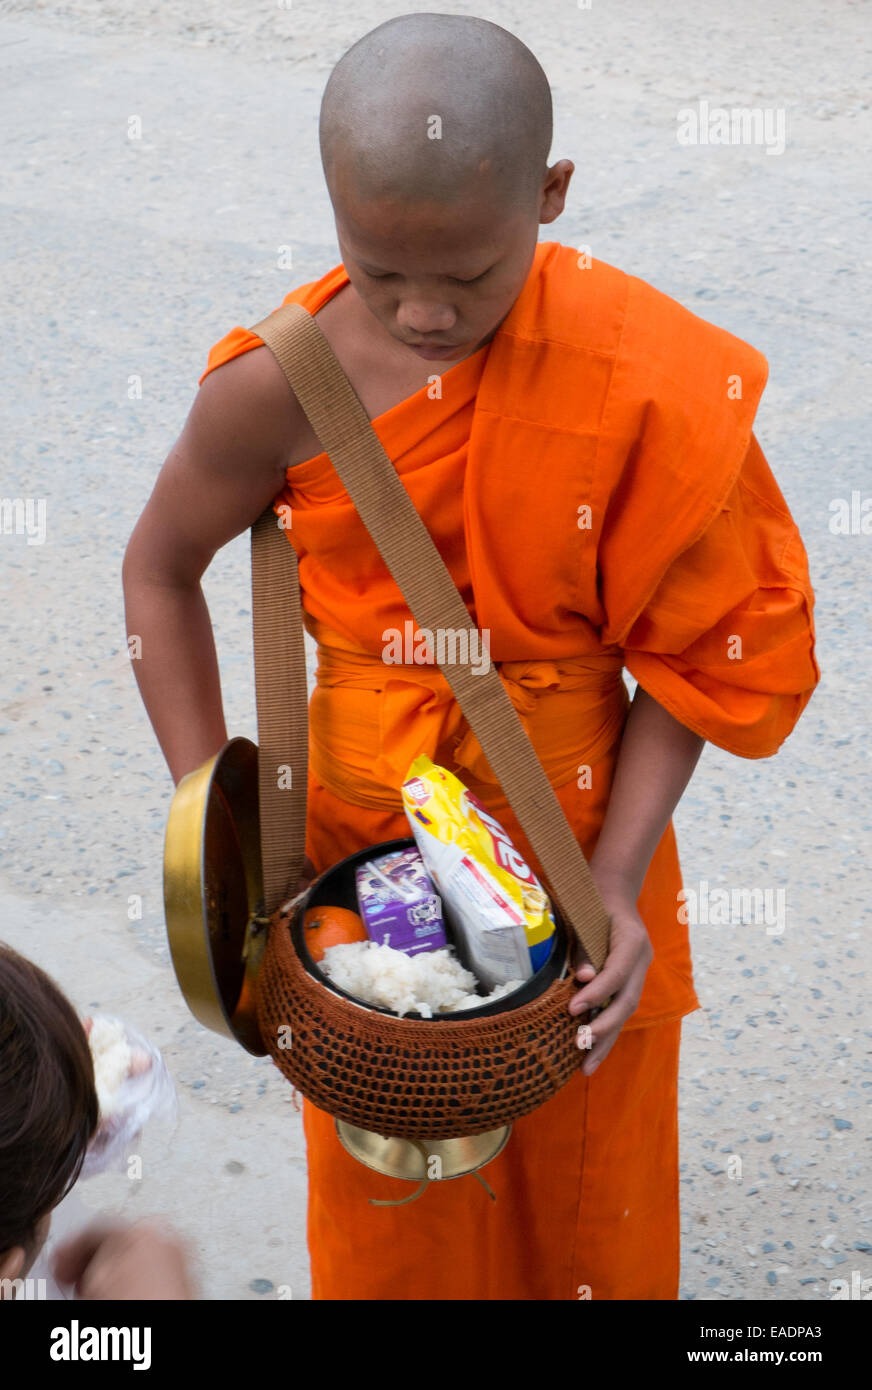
(127, 258)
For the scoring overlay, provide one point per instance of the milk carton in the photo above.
(398, 903)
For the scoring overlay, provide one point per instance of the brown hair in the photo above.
(48, 1102)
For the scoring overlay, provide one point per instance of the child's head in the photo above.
(435, 133)
(48, 1107)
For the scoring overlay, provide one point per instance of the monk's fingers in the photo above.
(630, 949)
(599, 1052)
(308, 874)
(615, 1015)
(598, 1036)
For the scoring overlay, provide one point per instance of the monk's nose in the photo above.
(420, 316)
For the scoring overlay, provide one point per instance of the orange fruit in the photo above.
(331, 926)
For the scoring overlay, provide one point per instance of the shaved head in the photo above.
(435, 137)
(435, 107)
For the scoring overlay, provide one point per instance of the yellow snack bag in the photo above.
(496, 905)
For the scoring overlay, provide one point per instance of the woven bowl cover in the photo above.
(404, 1077)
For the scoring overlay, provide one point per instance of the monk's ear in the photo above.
(554, 190)
(11, 1263)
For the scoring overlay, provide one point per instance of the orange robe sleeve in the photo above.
(701, 570)
(726, 641)
(240, 339)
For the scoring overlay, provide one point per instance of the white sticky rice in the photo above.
(426, 983)
(112, 1060)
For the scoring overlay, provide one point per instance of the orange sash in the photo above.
(368, 720)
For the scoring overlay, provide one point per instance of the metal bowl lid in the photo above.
(213, 892)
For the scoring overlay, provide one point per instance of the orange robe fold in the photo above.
(591, 479)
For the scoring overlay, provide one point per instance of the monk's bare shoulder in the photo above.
(250, 398)
(226, 467)
(249, 401)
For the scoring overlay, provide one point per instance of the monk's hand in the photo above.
(308, 874)
(618, 986)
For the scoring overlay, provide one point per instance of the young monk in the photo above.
(580, 448)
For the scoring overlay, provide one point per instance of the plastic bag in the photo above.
(133, 1087)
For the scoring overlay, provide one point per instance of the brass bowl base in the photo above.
(416, 1159)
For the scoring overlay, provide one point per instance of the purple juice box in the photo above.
(398, 903)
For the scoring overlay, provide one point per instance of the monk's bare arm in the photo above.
(226, 467)
(656, 760)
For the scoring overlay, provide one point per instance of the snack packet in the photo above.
(500, 914)
(397, 902)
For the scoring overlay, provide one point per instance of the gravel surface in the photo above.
(125, 259)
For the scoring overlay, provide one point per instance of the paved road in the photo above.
(126, 259)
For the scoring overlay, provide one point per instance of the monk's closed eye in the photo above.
(390, 275)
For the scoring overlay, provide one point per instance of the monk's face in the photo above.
(439, 277)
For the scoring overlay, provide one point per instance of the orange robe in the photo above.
(593, 484)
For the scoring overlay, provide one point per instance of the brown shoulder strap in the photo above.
(282, 707)
(343, 428)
